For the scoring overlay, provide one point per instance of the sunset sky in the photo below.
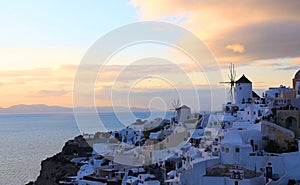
(43, 42)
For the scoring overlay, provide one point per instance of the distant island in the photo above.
(42, 108)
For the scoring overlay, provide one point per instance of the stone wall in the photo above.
(278, 134)
(290, 119)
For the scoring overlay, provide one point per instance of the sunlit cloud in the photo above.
(236, 48)
(289, 68)
(296, 61)
(252, 34)
(48, 93)
(53, 86)
(268, 31)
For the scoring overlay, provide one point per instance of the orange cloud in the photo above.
(53, 86)
(236, 48)
(40, 85)
(296, 61)
(262, 26)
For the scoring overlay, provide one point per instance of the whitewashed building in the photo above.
(243, 88)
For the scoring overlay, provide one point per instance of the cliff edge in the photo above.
(59, 166)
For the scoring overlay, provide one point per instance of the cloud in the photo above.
(231, 11)
(236, 48)
(199, 96)
(53, 92)
(134, 83)
(295, 61)
(53, 86)
(268, 29)
(40, 85)
(289, 68)
(267, 40)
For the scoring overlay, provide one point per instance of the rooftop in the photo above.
(224, 170)
(297, 75)
(243, 79)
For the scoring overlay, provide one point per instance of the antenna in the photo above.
(231, 76)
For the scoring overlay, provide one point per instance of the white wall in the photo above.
(243, 91)
(195, 175)
(232, 156)
(207, 180)
(185, 113)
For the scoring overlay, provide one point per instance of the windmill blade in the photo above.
(176, 104)
(231, 94)
(232, 73)
(231, 76)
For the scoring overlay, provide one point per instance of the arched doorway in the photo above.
(291, 122)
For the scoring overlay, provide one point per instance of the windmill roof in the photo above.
(297, 75)
(243, 79)
(184, 107)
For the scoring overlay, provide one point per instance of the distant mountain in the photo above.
(37, 108)
(42, 108)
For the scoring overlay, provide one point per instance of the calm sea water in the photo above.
(27, 139)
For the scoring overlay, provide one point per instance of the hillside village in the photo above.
(253, 140)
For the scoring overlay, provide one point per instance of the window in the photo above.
(227, 150)
(237, 150)
(161, 146)
(222, 149)
(235, 108)
(227, 109)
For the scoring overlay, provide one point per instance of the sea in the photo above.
(27, 139)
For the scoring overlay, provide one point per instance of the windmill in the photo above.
(176, 104)
(231, 76)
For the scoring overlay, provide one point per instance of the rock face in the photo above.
(280, 139)
(277, 133)
(56, 168)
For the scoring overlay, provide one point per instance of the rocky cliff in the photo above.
(57, 167)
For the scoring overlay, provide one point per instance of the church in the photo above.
(288, 114)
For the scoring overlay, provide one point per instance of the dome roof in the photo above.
(297, 75)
